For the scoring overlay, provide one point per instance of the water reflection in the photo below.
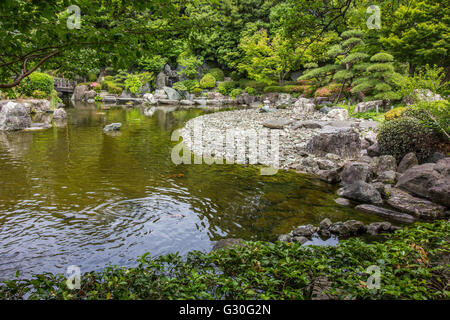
(75, 195)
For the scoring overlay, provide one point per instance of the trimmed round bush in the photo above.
(197, 91)
(208, 81)
(404, 135)
(217, 74)
(179, 86)
(37, 81)
(226, 87)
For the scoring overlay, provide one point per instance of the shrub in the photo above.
(113, 88)
(403, 135)
(235, 92)
(97, 87)
(152, 63)
(434, 116)
(258, 85)
(226, 87)
(250, 90)
(394, 113)
(108, 78)
(190, 84)
(179, 86)
(217, 74)
(133, 83)
(197, 91)
(322, 92)
(292, 89)
(208, 81)
(37, 81)
(54, 100)
(270, 89)
(38, 94)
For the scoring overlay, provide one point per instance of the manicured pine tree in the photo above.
(377, 81)
(348, 61)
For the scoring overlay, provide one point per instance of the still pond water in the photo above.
(73, 195)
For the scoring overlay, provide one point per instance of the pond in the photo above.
(73, 195)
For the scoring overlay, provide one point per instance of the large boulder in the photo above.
(355, 171)
(361, 191)
(14, 116)
(79, 92)
(37, 105)
(149, 98)
(172, 94)
(344, 142)
(427, 182)
(160, 94)
(408, 161)
(369, 105)
(417, 207)
(161, 80)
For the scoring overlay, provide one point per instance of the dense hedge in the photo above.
(208, 81)
(37, 81)
(411, 263)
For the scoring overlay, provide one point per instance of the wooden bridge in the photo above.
(64, 85)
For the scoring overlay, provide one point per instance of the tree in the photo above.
(347, 63)
(119, 31)
(378, 80)
(264, 59)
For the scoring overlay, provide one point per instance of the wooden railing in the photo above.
(62, 84)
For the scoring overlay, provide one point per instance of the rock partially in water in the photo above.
(60, 113)
(386, 213)
(417, 207)
(112, 127)
(305, 231)
(361, 191)
(14, 116)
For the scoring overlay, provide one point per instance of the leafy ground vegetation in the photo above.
(413, 264)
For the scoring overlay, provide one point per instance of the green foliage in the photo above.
(113, 88)
(197, 91)
(394, 113)
(226, 87)
(38, 94)
(133, 83)
(208, 81)
(54, 100)
(403, 135)
(191, 64)
(37, 81)
(179, 86)
(235, 92)
(411, 262)
(434, 116)
(153, 63)
(217, 74)
(270, 89)
(250, 91)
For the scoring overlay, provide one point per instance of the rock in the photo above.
(355, 171)
(226, 243)
(376, 228)
(342, 202)
(277, 123)
(443, 167)
(187, 102)
(324, 234)
(361, 191)
(37, 105)
(338, 114)
(172, 94)
(355, 227)
(160, 80)
(371, 137)
(344, 142)
(386, 163)
(325, 164)
(435, 157)
(330, 176)
(366, 106)
(408, 161)
(285, 238)
(79, 92)
(364, 145)
(419, 179)
(160, 94)
(149, 98)
(309, 124)
(60, 113)
(421, 95)
(91, 94)
(417, 207)
(386, 213)
(300, 239)
(340, 229)
(304, 231)
(387, 177)
(325, 224)
(112, 127)
(14, 116)
(325, 109)
(304, 105)
(373, 150)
